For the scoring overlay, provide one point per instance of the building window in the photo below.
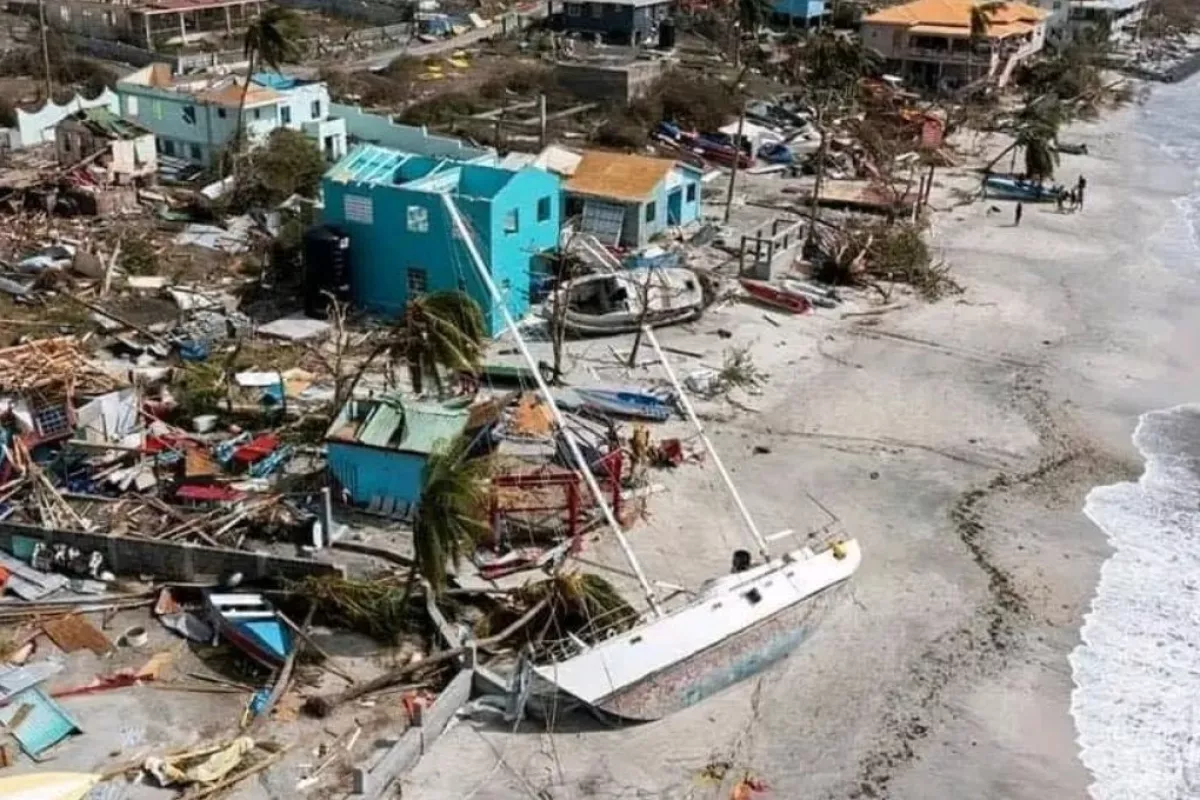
(189, 115)
(691, 192)
(573, 9)
(651, 210)
(417, 282)
(512, 222)
(258, 113)
(597, 10)
(131, 108)
(285, 114)
(316, 109)
(195, 149)
(168, 147)
(157, 109)
(356, 208)
(417, 219)
(221, 113)
(610, 8)
(543, 209)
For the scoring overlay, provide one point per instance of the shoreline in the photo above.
(957, 441)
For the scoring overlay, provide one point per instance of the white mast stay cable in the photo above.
(572, 445)
(755, 534)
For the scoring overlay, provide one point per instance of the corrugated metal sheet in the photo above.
(14, 680)
(36, 722)
(382, 424)
(411, 425)
(28, 583)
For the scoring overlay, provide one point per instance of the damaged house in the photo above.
(626, 200)
(377, 449)
(119, 151)
(403, 242)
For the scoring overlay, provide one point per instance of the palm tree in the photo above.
(451, 516)
(442, 329)
(980, 27)
(269, 40)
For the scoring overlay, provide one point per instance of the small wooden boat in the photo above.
(776, 296)
(250, 623)
(628, 404)
(1002, 187)
(621, 302)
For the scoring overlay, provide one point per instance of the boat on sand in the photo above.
(618, 302)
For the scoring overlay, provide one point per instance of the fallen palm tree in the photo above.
(867, 255)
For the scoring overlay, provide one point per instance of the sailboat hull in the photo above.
(737, 626)
(734, 660)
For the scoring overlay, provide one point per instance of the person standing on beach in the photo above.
(1017, 214)
(1079, 187)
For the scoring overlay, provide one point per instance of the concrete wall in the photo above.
(37, 127)
(375, 780)
(374, 475)
(621, 82)
(171, 560)
(364, 127)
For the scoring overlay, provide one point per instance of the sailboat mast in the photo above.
(755, 534)
(576, 455)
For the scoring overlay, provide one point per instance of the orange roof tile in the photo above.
(957, 14)
(231, 94)
(617, 175)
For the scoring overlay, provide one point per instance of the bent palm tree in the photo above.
(442, 329)
(268, 40)
(451, 515)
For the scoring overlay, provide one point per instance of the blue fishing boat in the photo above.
(628, 404)
(251, 624)
(1002, 187)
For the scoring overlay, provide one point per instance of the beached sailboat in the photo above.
(619, 302)
(735, 626)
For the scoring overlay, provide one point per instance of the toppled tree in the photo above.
(869, 254)
(441, 330)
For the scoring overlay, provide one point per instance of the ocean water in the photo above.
(1137, 673)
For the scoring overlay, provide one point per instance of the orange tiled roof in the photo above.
(231, 94)
(1004, 20)
(617, 175)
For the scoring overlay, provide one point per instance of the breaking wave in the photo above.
(1137, 673)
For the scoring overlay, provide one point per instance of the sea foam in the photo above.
(1137, 673)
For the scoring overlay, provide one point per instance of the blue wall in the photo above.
(383, 253)
(800, 9)
(367, 472)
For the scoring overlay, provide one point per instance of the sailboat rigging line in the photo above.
(755, 534)
(576, 455)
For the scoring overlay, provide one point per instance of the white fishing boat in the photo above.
(732, 628)
(620, 302)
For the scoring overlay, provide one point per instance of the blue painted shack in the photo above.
(402, 240)
(377, 448)
(626, 200)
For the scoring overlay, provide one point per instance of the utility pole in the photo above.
(45, 48)
(737, 158)
(816, 192)
(542, 121)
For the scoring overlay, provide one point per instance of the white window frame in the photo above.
(416, 219)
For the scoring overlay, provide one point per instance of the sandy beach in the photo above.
(957, 441)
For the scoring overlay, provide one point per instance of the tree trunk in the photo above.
(45, 50)
(816, 193)
(241, 116)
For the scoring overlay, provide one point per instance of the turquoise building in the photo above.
(194, 117)
(402, 239)
(377, 448)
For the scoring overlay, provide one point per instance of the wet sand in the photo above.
(957, 441)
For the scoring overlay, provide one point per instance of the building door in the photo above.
(675, 206)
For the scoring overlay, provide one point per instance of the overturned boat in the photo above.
(620, 302)
(672, 657)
